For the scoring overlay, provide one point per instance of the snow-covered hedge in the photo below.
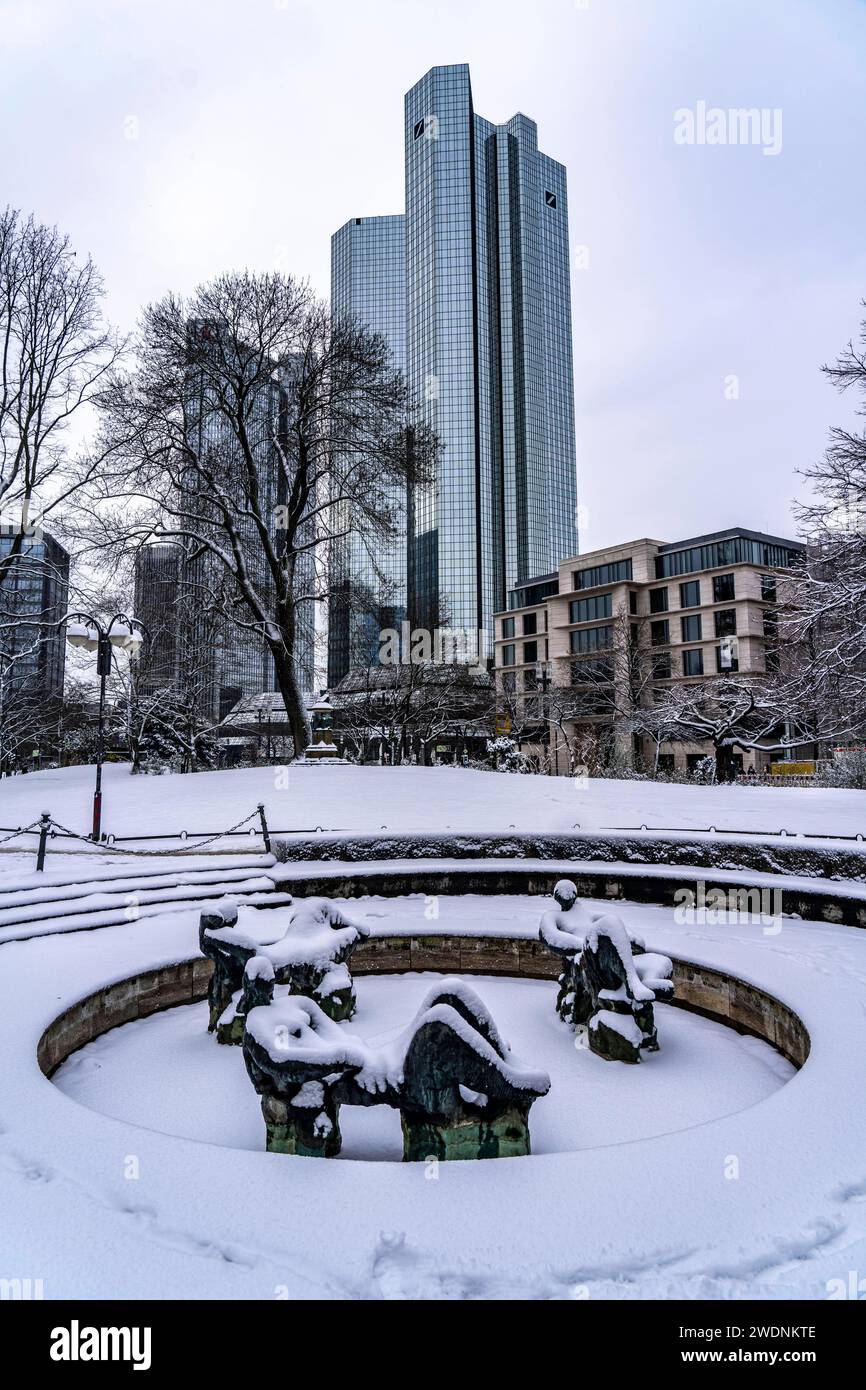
(785, 855)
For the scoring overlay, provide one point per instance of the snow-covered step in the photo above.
(97, 898)
(85, 871)
(119, 916)
(66, 892)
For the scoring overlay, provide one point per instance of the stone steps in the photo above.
(40, 905)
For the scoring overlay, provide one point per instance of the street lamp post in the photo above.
(542, 675)
(82, 630)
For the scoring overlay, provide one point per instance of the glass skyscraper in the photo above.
(368, 278)
(482, 318)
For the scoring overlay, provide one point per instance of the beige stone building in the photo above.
(619, 623)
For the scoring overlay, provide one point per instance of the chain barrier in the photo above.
(22, 830)
(152, 853)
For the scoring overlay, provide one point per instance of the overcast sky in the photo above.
(174, 139)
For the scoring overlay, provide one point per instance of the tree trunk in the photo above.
(725, 769)
(292, 699)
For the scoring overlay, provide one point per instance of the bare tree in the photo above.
(55, 351)
(408, 708)
(729, 712)
(823, 603)
(256, 432)
(592, 704)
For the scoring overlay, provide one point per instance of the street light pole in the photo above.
(82, 630)
(542, 675)
(103, 670)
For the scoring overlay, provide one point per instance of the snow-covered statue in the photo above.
(622, 987)
(308, 945)
(257, 989)
(595, 947)
(562, 930)
(459, 1091)
(463, 1094)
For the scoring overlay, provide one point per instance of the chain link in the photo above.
(25, 830)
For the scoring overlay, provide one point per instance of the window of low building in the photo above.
(590, 639)
(693, 662)
(662, 666)
(588, 610)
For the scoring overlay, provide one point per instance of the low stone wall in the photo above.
(811, 904)
(699, 988)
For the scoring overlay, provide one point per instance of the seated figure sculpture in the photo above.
(609, 980)
(308, 945)
(459, 1091)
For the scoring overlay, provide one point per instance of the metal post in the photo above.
(44, 827)
(103, 667)
(265, 833)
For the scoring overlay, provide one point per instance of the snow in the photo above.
(314, 931)
(366, 799)
(623, 1024)
(104, 1207)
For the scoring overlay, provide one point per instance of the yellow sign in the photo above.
(804, 769)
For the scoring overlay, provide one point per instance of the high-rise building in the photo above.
(486, 338)
(368, 275)
(203, 640)
(34, 597)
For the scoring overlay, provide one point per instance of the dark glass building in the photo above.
(486, 342)
(184, 595)
(368, 276)
(34, 597)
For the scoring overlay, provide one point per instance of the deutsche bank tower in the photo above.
(471, 288)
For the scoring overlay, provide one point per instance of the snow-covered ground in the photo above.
(167, 1073)
(765, 1196)
(365, 799)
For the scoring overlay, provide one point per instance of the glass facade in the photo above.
(33, 602)
(368, 278)
(586, 610)
(591, 639)
(737, 549)
(186, 596)
(618, 572)
(482, 314)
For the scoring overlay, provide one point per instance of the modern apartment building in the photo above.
(647, 611)
(481, 319)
